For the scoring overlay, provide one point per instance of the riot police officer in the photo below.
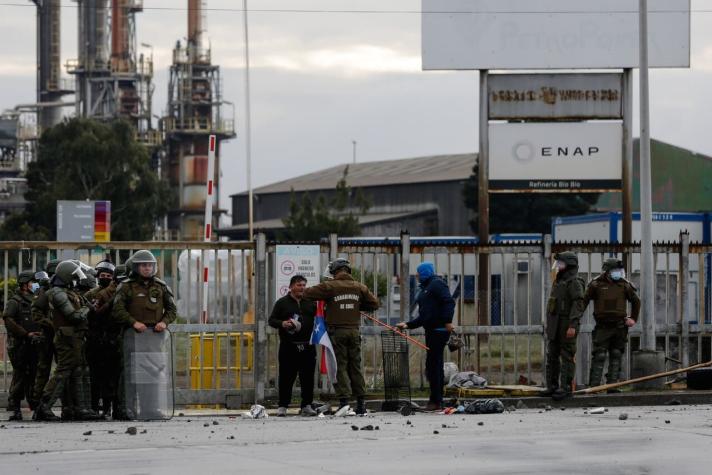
(610, 293)
(563, 317)
(345, 299)
(69, 319)
(142, 302)
(23, 335)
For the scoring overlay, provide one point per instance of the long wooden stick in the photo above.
(395, 330)
(604, 387)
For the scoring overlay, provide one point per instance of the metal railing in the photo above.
(235, 353)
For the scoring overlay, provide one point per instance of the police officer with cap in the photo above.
(610, 293)
(345, 299)
(23, 335)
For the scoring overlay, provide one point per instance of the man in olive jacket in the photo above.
(345, 299)
(610, 293)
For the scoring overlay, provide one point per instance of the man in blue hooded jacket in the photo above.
(435, 310)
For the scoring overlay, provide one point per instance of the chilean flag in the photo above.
(320, 337)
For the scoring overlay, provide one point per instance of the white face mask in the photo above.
(617, 274)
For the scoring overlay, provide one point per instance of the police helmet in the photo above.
(106, 267)
(567, 257)
(143, 257)
(51, 266)
(339, 264)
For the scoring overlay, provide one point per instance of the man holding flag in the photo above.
(293, 316)
(345, 300)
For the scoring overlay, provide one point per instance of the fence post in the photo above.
(405, 277)
(333, 246)
(546, 289)
(260, 318)
(684, 283)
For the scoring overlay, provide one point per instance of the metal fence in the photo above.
(234, 354)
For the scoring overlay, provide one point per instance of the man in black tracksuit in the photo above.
(294, 317)
(435, 311)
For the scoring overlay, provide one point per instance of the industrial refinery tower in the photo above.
(112, 79)
(194, 113)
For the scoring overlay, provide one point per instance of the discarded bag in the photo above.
(256, 412)
(455, 342)
(467, 379)
(485, 406)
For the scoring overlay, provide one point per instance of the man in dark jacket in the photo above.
(345, 300)
(294, 318)
(435, 311)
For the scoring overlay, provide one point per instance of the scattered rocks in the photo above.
(368, 427)
(111, 431)
(206, 425)
(562, 408)
(87, 433)
(180, 414)
(622, 416)
(548, 408)
(673, 402)
(232, 437)
(216, 423)
(377, 428)
(406, 411)
(354, 427)
(144, 431)
(667, 422)
(131, 431)
(480, 423)
(407, 422)
(435, 432)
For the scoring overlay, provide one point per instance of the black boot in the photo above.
(549, 391)
(343, 402)
(44, 413)
(16, 415)
(81, 394)
(360, 405)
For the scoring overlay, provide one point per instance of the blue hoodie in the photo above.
(435, 303)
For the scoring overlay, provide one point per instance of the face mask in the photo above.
(34, 287)
(617, 274)
(104, 282)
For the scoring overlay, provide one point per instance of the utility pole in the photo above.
(647, 360)
(248, 128)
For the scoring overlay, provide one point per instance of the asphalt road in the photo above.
(653, 440)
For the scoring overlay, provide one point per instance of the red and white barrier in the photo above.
(208, 233)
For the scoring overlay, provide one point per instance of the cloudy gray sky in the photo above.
(323, 79)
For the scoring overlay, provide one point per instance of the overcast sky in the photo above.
(323, 79)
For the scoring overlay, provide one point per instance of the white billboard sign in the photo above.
(551, 34)
(294, 260)
(548, 157)
(555, 96)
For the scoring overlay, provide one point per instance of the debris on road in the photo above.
(597, 410)
(623, 416)
(131, 431)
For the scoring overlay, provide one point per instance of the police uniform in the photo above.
(103, 353)
(145, 300)
(345, 299)
(21, 350)
(564, 310)
(45, 348)
(610, 298)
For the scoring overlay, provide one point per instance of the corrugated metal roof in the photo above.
(436, 168)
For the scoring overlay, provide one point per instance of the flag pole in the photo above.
(395, 330)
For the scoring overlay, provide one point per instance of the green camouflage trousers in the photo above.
(561, 358)
(349, 377)
(608, 339)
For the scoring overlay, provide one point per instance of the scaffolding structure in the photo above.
(194, 112)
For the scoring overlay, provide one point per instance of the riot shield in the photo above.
(148, 375)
